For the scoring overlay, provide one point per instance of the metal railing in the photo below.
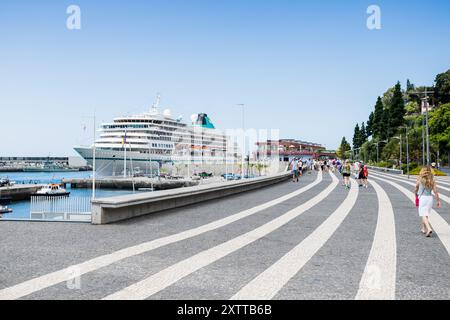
(382, 169)
(61, 208)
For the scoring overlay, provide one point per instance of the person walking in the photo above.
(360, 175)
(300, 168)
(425, 187)
(346, 172)
(294, 168)
(366, 177)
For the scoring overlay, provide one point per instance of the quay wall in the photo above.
(110, 210)
(19, 192)
(127, 183)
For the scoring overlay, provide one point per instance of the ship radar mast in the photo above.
(155, 106)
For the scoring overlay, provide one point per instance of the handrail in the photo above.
(396, 171)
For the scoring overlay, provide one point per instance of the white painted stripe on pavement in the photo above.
(440, 226)
(266, 285)
(442, 180)
(48, 280)
(161, 280)
(442, 196)
(378, 279)
(440, 183)
(411, 181)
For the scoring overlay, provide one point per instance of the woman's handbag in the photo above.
(417, 198)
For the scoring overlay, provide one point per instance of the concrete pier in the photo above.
(109, 210)
(19, 192)
(127, 183)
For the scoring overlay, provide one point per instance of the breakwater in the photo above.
(128, 183)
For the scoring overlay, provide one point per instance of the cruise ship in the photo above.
(142, 142)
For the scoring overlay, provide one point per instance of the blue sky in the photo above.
(310, 69)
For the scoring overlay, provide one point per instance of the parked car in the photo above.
(204, 174)
(231, 176)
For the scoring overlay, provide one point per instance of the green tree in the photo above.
(396, 110)
(442, 88)
(385, 130)
(388, 96)
(391, 151)
(343, 149)
(363, 134)
(369, 127)
(378, 125)
(439, 124)
(412, 107)
(356, 137)
(409, 86)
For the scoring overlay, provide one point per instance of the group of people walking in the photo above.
(298, 166)
(359, 169)
(361, 172)
(425, 190)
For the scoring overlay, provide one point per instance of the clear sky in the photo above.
(311, 69)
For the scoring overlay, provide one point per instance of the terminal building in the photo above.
(27, 161)
(15, 160)
(287, 149)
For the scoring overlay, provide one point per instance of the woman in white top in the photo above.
(425, 187)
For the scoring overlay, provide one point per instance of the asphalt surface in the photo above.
(220, 262)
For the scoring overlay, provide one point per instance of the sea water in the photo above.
(21, 209)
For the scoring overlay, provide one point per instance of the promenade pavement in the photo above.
(308, 240)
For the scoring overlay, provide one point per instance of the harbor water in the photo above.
(21, 209)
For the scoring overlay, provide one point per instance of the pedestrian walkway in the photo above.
(311, 240)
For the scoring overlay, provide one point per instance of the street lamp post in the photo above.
(93, 162)
(400, 155)
(425, 124)
(378, 152)
(243, 139)
(423, 140)
(94, 151)
(427, 131)
(354, 153)
(407, 148)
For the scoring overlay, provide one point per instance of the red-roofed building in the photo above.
(287, 149)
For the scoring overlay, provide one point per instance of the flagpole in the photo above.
(125, 155)
(93, 165)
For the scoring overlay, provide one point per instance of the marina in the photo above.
(67, 196)
(18, 197)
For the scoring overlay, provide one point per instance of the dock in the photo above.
(128, 183)
(19, 192)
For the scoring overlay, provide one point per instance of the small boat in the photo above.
(4, 182)
(5, 210)
(52, 190)
(5, 200)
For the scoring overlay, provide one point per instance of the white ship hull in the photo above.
(112, 163)
(142, 143)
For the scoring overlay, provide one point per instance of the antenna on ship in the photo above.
(155, 105)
